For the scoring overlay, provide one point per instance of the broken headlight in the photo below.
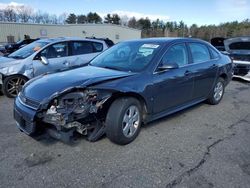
(75, 105)
(75, 102)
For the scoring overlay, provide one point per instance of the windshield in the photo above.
(127, 56)
(27, 50)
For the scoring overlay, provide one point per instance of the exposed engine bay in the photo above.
(78, 111)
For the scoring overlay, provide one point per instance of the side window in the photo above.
(176, 54)
(199, 52)
(98, 47)
(82, 47)
(215, 54)
(56, 50)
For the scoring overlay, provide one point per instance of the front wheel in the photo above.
(217, 92)
(124, 120)
(12, 85)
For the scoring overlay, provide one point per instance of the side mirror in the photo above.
(168, 66)
(44, 60)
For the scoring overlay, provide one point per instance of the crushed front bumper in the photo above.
(25, 118)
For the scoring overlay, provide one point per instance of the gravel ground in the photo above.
(204, 146)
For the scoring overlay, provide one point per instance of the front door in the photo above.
(57, 56)
(173, 87)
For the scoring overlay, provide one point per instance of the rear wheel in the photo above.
(124, 120)
(12, 85)
(217, 93)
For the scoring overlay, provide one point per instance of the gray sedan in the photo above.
(45, 56)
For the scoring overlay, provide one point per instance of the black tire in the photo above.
(115, 124)
(9, 81)
(212, 99)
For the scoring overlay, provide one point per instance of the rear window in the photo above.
(240, 46)
(199, 52)
(215, 54)
(86, 47)
(98, 47)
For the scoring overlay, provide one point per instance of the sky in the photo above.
(201, 12)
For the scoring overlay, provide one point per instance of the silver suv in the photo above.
(45, 56)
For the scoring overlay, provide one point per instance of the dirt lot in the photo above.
(204, 146)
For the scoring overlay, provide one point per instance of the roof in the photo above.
(61, 39)
(169, 39)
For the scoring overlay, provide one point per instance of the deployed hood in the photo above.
(45, 86)
(239, 45)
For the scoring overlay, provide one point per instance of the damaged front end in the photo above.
(78, 111)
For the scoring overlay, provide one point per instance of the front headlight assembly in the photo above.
(75, 105)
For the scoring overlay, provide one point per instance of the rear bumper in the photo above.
(25, 117)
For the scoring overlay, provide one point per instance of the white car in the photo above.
(239, 50)
(45, 56)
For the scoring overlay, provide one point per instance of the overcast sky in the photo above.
(200, 12)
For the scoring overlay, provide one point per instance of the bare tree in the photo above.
(38, 17)
(45, 19)
(24, 13)
(1, 15)
(53, 19)
(9, 14)
(62, 17)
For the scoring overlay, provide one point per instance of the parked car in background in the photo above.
(115, 94)
(10, 48)
(44, 56)
(108, 42)
(2, 50)
(239, 50)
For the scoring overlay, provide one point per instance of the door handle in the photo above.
(213, 66)
(187, 73)
(66, 63)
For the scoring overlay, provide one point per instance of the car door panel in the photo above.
(84, 59)
(173, 87)
(84, 51)
(58, 59)
(205, 70)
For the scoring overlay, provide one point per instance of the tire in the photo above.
(219, 87)
(121, 128)
(12, 85)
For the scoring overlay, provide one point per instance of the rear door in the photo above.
(84, 51)
(58, 59)
(205, 69)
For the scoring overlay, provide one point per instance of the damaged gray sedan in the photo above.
(131, 83)
(45, 56)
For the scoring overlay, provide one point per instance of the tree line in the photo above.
(155, 28)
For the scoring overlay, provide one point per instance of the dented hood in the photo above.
(43, 87)
(5, 61)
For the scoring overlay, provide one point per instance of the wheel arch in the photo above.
(137, 96)
(21, 75)
(224, 76)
